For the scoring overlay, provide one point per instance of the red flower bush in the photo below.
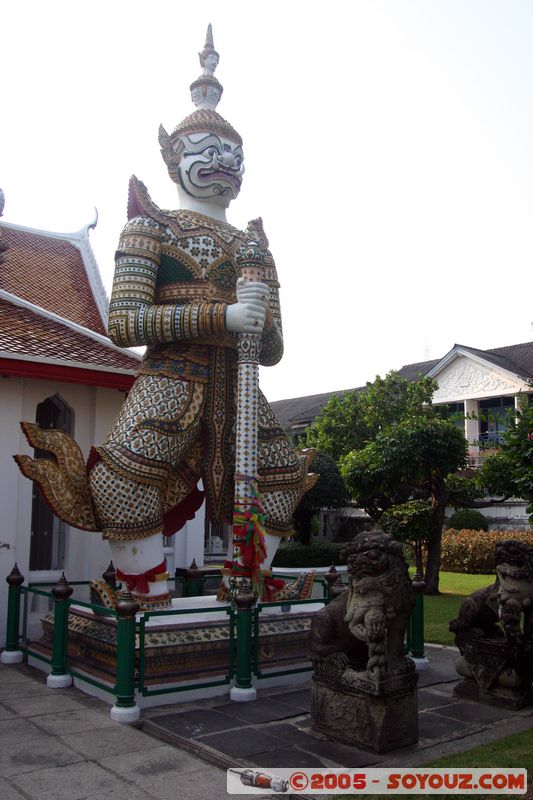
(472, 552)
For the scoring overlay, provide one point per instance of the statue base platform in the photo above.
(179, 651)
(494, 672)
(377, 717)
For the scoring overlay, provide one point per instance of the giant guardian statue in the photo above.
(179, 290)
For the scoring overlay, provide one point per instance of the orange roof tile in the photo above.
(49, 272)
(26, 333)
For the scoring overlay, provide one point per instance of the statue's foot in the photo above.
(101, 594)
(222, 593)
(301, 588)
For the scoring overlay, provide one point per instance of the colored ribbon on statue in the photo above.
(272, 586)
(267, 586)
(249, 528)
(249, 536)
(139, 583)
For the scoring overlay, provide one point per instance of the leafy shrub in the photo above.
(470, 519)
(316, 554)
(472, 552)
(409, 521)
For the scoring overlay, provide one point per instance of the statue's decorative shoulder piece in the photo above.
(494, 632)
(361, 675)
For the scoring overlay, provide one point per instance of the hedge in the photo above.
(316, 554)
(472, 552)
(468, 518)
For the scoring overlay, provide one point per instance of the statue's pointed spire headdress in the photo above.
(209, 65)
(206, 92)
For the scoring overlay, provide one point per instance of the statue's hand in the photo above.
(248, 314)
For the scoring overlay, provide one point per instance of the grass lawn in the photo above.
(513, 752)
(440, 609)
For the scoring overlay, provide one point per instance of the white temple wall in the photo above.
(95, 409)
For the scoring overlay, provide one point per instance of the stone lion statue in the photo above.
(500, 609)
(362, 630)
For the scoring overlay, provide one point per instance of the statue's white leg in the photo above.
(271, 545)
(141, 557)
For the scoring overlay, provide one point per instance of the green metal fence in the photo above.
(175, 613)
(244, 640)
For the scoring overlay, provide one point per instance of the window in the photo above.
(453, 412)
(493, 420)
(47, 547)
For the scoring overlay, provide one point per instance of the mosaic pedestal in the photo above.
(377, 717)
(180, 650)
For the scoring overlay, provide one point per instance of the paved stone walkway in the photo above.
(275, 730)
(62, 744)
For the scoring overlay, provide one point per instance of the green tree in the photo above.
(328, 492)
(350, 421)
(395, 449)
(410, 522)
(517, 454)
(409, 460)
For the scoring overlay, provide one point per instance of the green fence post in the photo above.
(59, 677)
(12, 654)
(193, 581)
(243, 689)
(331, 578)
(335, 585)
(126, 709)
(417, 623)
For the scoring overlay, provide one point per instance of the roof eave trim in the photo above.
(460, 350)
(58, 362)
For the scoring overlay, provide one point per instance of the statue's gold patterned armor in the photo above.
(175, 275)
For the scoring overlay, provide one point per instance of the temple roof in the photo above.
(56, 271)
(53, 311)
(26, 332)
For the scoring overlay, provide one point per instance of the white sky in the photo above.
(387, 143)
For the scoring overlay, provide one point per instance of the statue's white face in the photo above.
(211, 168)
(205, 96)
(210, 63)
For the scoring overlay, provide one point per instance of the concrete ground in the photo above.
(60, 744)
(276, 731)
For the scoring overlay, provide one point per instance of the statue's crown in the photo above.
(206, 92)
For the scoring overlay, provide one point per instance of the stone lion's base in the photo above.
(494, 672)
(378, 718)
(497, 696)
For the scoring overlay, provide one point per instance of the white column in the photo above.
(472, 427)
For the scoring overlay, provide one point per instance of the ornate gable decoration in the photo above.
(467, 377)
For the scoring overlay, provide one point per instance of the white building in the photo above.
(479, 385)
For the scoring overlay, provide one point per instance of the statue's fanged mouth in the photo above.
(208, 176)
